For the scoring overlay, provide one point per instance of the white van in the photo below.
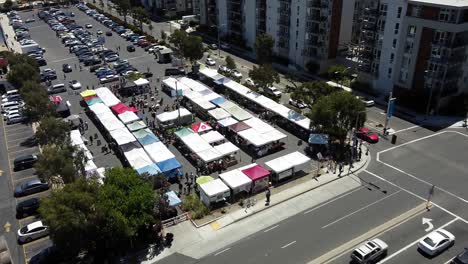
(9, 93)
(57, 88)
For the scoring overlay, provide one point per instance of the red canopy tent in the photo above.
(237, 127)
(90, 97)
(201, 127)
(121, 108)
(259, 176)
(56, 99)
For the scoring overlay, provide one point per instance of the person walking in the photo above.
(86, 125)
(91, 140)
(267, 194)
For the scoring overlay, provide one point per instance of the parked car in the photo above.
(99, 32)
(29, 20)
(436, 242)
(366, 135)
(236, 73)
(130, 48)
(224, 69)
(272, 91)
(24, 162)
(67, 68)
(32, 232)
(370, 252)
(210, 62)
(461, 258)
(108, 33)
(213, 46)
(297, 103)
(367, 102)
(250, 82)
(27, 207)
(30, 187)
(89, 26)
(174, 72)
(15, 119)
(57, 88)
(75, 85)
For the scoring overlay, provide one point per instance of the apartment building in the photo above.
(302, 29)
(172, 7)
(409, 46)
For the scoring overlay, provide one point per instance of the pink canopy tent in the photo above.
(259, 176)
(238, 127)
(56, 99)
(121, 108)
(201, 127)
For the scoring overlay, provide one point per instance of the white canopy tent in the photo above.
(99, 108)
(236, 180)
(203, 103)
(219, 113)
(107, 97)
(194, 85)
(174, 87)
(173, 115)
(137, 158)
(258, 125)
(252, 136)
(75, 137)
(238, 113)
(228, 121)
(112, 123)
(209, 155)
(214, 191)
(141, 82)
(226, 148)
(195, 143)
(286, 165)
(212, 136)
(122, 136)
(158, 152)
(128, 117)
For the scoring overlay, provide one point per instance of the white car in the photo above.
(273, 91)
(224, 69)
(367, 102)
(436, 242)
(297, 103)
(99, 32)
(236, 73)
(370, 252)
(32, 232)
(89, 26)
(75, 85)
(112, 58)
(13, 119)
(249, 82)
(11, 113)
(210, 62)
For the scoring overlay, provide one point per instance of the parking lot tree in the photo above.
(124, 7)
(22, 72)
(63, 160)
(52, 130)
(264, 48)
(133, 76)
(37, 101)
(16, 58)
(177, 38)
(140, 15)
(337, 72)
(264, 76)
(230, 63)
(309, 92)
(193, 48)
(8, 5)
(337, 113)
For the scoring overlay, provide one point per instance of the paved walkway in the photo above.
(9, 34)
(198, 242)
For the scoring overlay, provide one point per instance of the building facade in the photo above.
(301, 28)
(411, 47)
(172, 7)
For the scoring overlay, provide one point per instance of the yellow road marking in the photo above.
(215, 225)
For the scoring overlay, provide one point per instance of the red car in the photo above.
(143, 43)
(364, 134)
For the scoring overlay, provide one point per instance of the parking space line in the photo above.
(289, 244)
(417, 196)
(25, 178)
(359, 210)
(32, 243)
(18, 139)
(21, 150)
(138, 57)
(415, 242)
(69, 58)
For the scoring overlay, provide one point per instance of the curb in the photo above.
(298, 194)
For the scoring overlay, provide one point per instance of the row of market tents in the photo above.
(142, 149)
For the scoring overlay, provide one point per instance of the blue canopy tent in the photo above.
(173, 199)
(318, 139)
(170, 167)
(149, 139)
(94, 101)
(218, 101)
(152, 169)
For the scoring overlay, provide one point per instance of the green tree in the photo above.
(124, 7)
(193, 48)
(37, 101)
(264, 76)
(193, 204)
(151, 27)
(264, 48)
(310, 92)
(337, 113)
(22, 72)
(140, 14)
(52, 130)
(338, 72)
(61, 160)
(163, 35)
(230, 63)
(16, 58)
(8, 5)
(177, 38)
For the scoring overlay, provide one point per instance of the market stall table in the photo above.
(237, 181)
(259, 176)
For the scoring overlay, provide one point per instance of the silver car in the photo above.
(32, 232)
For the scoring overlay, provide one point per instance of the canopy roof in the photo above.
(218, 101)
(204, 179)
(238, 113)
(121, 108)
(137, 125)
(227, 121)
(137, 158)
(183, 132)
(158, 152)
(209, 155)
(287, 162)
(107, 96)
(235, 179)
(219, 113)
(128, 117)
(122, 136)
(94, 100)
(173, 199)
(99, 108)
(257, 172)
(212, 136)
(194, 85)
(195, 143)
(151, 169)
(318, 139)
(226, 148)
(145, 136)
(75, 137)
(56, 98)
(111, 122)
(211, 73)
(201, 127)
(87, 93)
(141, 82)
(209, 95)
(169, 116)
(169, 165)
(214, 188)
(174, 84)
(239, 127)
(296, 158)
(202, 102)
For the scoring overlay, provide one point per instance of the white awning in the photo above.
(226, 148)
(195, 143)
(107, 97)
(212, 136)
(169, 116)
(158, 152)
(128, 117)
(141, 82)
(122, 136)
(219, 113)
(138, 158)
(215, 187)
(209, 155)
(99, 108)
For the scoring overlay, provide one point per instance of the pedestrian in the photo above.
(75, 66)
(191, 177)
(267, 194)
(359, 154)
(180, 186)
(340, 168)
(91, 140)
(186, 177)
(86, 125)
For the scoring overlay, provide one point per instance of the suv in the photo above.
(273, 91)
(370, 252)
(24, 162)
(27, 207)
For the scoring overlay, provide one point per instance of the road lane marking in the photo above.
(222, 251)
(333, 200)
(289, 244)
(418, 196)
(271, 228)
(405, 129)
(414, 242)
(361, 209)
(69, 58)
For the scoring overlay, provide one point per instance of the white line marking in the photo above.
(21, 150)
(415, 195)
(448, 261)
(332, 200)
(18, 139)
(414, 243)
(289, 244)
(359, 210)
(69, 58)
(138, 57)
(405, 129)
(222, 251)
(271, 228)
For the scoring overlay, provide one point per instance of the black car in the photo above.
(461, 258)
(30, 187)
(130, 48)
(49, 255)
(108, 33)
(92, 61)
(24, 162)
(66, 68)
(27, 207)
(173, 72)
(41, 62)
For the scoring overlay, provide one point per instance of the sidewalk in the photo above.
(9, 35)
(198, 242)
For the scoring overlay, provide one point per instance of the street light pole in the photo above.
(387, 117)
(178, 105)
(428, 106)
(219, 41)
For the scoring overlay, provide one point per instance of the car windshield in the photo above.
(442, 234)
(429, 241)
(357, 254)
(24, 230)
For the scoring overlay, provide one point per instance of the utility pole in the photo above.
(178, 105)
(390, 107)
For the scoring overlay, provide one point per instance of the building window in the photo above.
(403, 76)
(411, 31)
(444, 14)
(400, 9)
(389, 73)
(297, 22)
(296, 45)
(436, 52)
(392, 58)
(383, 9)
(394, 43)
(397, 27)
